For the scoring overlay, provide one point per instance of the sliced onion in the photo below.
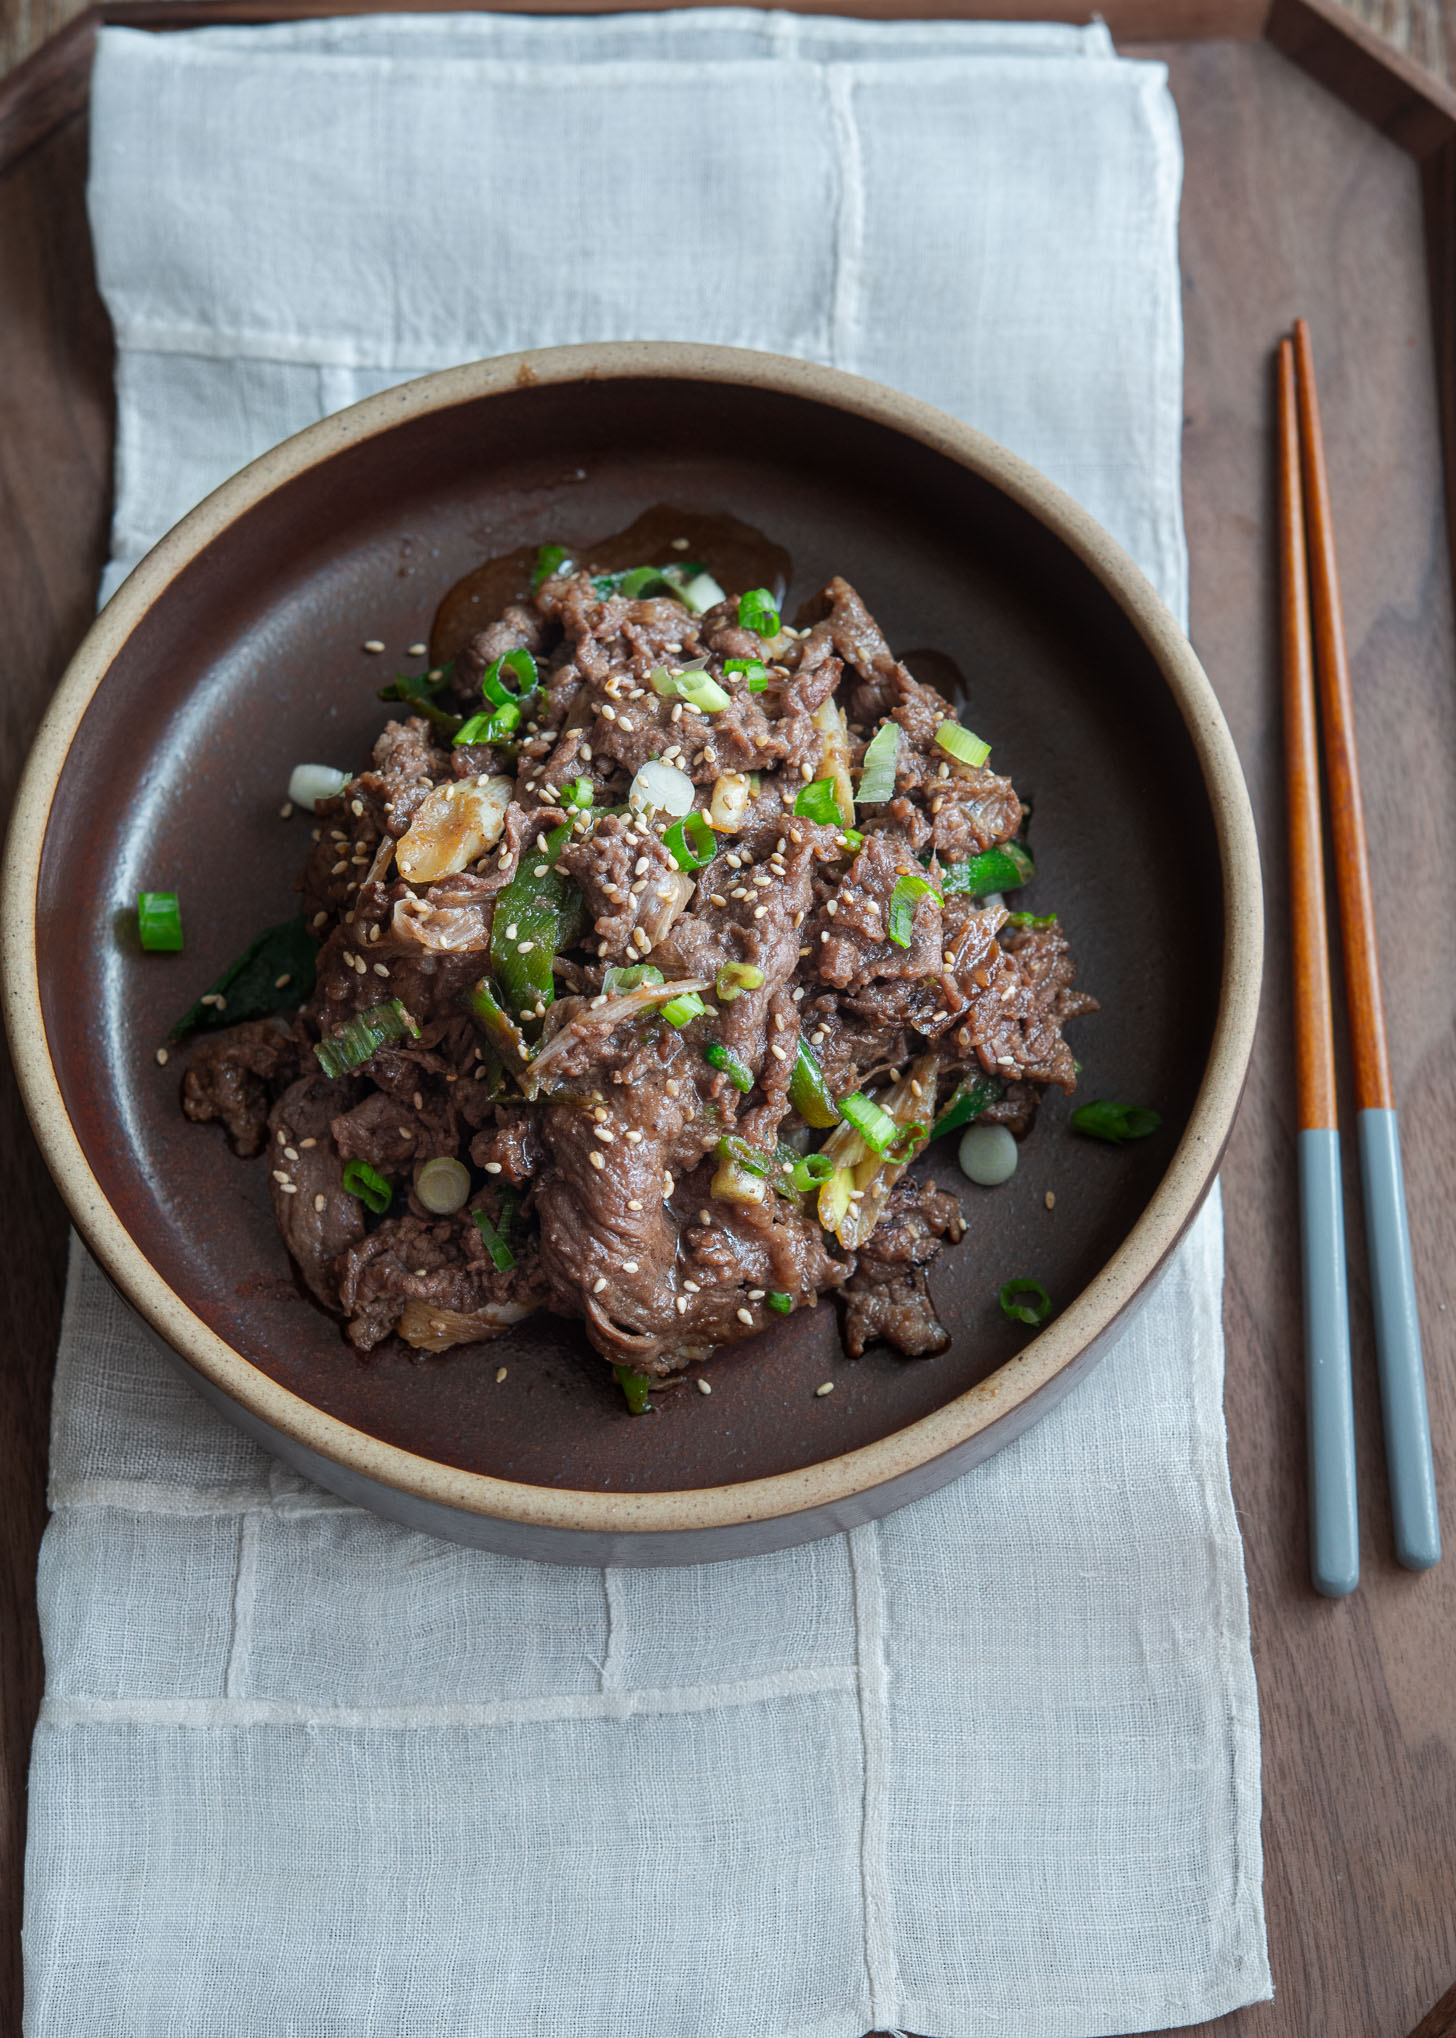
(443, 1184)
(310, 783)
(593, 1019)
(662, 787)
(430, 1329)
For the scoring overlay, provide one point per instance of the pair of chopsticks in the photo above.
(1307, 552)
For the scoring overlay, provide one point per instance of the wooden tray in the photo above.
(1321, 179)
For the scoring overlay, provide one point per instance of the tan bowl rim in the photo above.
(1003, 1393)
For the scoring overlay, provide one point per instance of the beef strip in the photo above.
(888, 1296)
(234, 1077)
(316, 1215)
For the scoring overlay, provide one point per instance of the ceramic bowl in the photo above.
(235, 650)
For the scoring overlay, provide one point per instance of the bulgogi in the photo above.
(643, 977)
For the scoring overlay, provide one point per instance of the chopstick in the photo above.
(1334, 1528)
(1397, 1323)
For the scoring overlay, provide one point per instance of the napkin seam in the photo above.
(613, 1704)
(845, 297)
(867, 1580)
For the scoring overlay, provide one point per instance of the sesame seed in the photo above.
(827, 1388)
(703, 1387)
(288, 1188)
(681, 1305)
(598, 1284)
(634, 1202)
(629, 1266)
(319, 919)
(525, 947)
(492, 1167)
(340, 867)
(500, 1374)
(634, 1138)
(418, 1101)
(161, 1057)
(831, 907)
(418, 650)
(755, 1294)
(605, 1134)
(705, 1217)
(381, 969)
(373, 643)
(744, 1315)
(307, 1143)
(320, 1202)
(716, 899)
(356, 808)
(777, 1052)
(692, 1287)
(598, 1160)
(642, 939)
(290, 1153)
(759, 912)
(285, 812)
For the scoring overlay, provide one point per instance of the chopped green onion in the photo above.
(909, 891)
(501, 1255)
(1035, 1309)
(522, 664)
(702, 692)
(810, 1171)
(779, 1301)
(694, 587)
(1116, 1123)
(961, 744)
(820, 802)
(691, 842)
(550, 560)
(159, 920)
(834, 1198)
(756, 612)
(499, 726)
(577, 796)
(1031, 920)
(853, 840)
(739, 1074)
(615, 980)
(274, 973)
(635, 1387)
(358, 1037)
(878, 1130)
(679, 1011)
(966, 1102)
(368, 1185)
(641, 581)
(526, 930)
(443, 1185)
(877, 774)
(497, 1024)
(753, 1158)
(996, 870)
(808, 1092)
(735, 977)
(751, 669)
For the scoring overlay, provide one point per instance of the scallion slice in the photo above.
(1114, 1123)
(702, 692)
(1031, 919)
(909, 891)
(808, 1091)
(550, 560)
(751, 669)
(834, 1198)
(753, 1158)
(635, 1386)
(966, 1102)
(522, 664)
(735, 977)
(694, 587)
(877, 774)
(159, 921)
(756, 612)
(691, 842)
(679, 1011)
(497, 1024)
(995, 870)
(615, 981)
(1025, 1301)
(739, 1074)
(778, 1301)
(853, 840)
(443, 1185)
(810, 1171)
(358, 1037)
(368, 1185)
(820, 802)
(501, 1255)
(578, 796)
(960, 744)
(890, 1140)
(419, 690)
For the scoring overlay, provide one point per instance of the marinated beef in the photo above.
(625, 1033)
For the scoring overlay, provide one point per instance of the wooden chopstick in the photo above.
(1397, 1322)
(1334, 1528)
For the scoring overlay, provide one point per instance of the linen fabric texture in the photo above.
(989, 1766)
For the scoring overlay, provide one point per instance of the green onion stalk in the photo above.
(526, 931)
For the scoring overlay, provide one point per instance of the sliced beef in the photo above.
(888, 1297)
(433, 1281)
(317, 1217)
(234, 1077)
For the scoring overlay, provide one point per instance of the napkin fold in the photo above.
(989, 1766)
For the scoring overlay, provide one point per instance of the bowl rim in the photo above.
(970, 1414)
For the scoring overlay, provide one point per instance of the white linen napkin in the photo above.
(987, 1767)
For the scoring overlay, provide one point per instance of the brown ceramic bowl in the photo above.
(234, 651)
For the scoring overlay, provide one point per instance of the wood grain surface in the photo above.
(1293, 205)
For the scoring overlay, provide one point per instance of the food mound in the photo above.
(643, 978)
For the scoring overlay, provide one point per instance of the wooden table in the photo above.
(1293, 203)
